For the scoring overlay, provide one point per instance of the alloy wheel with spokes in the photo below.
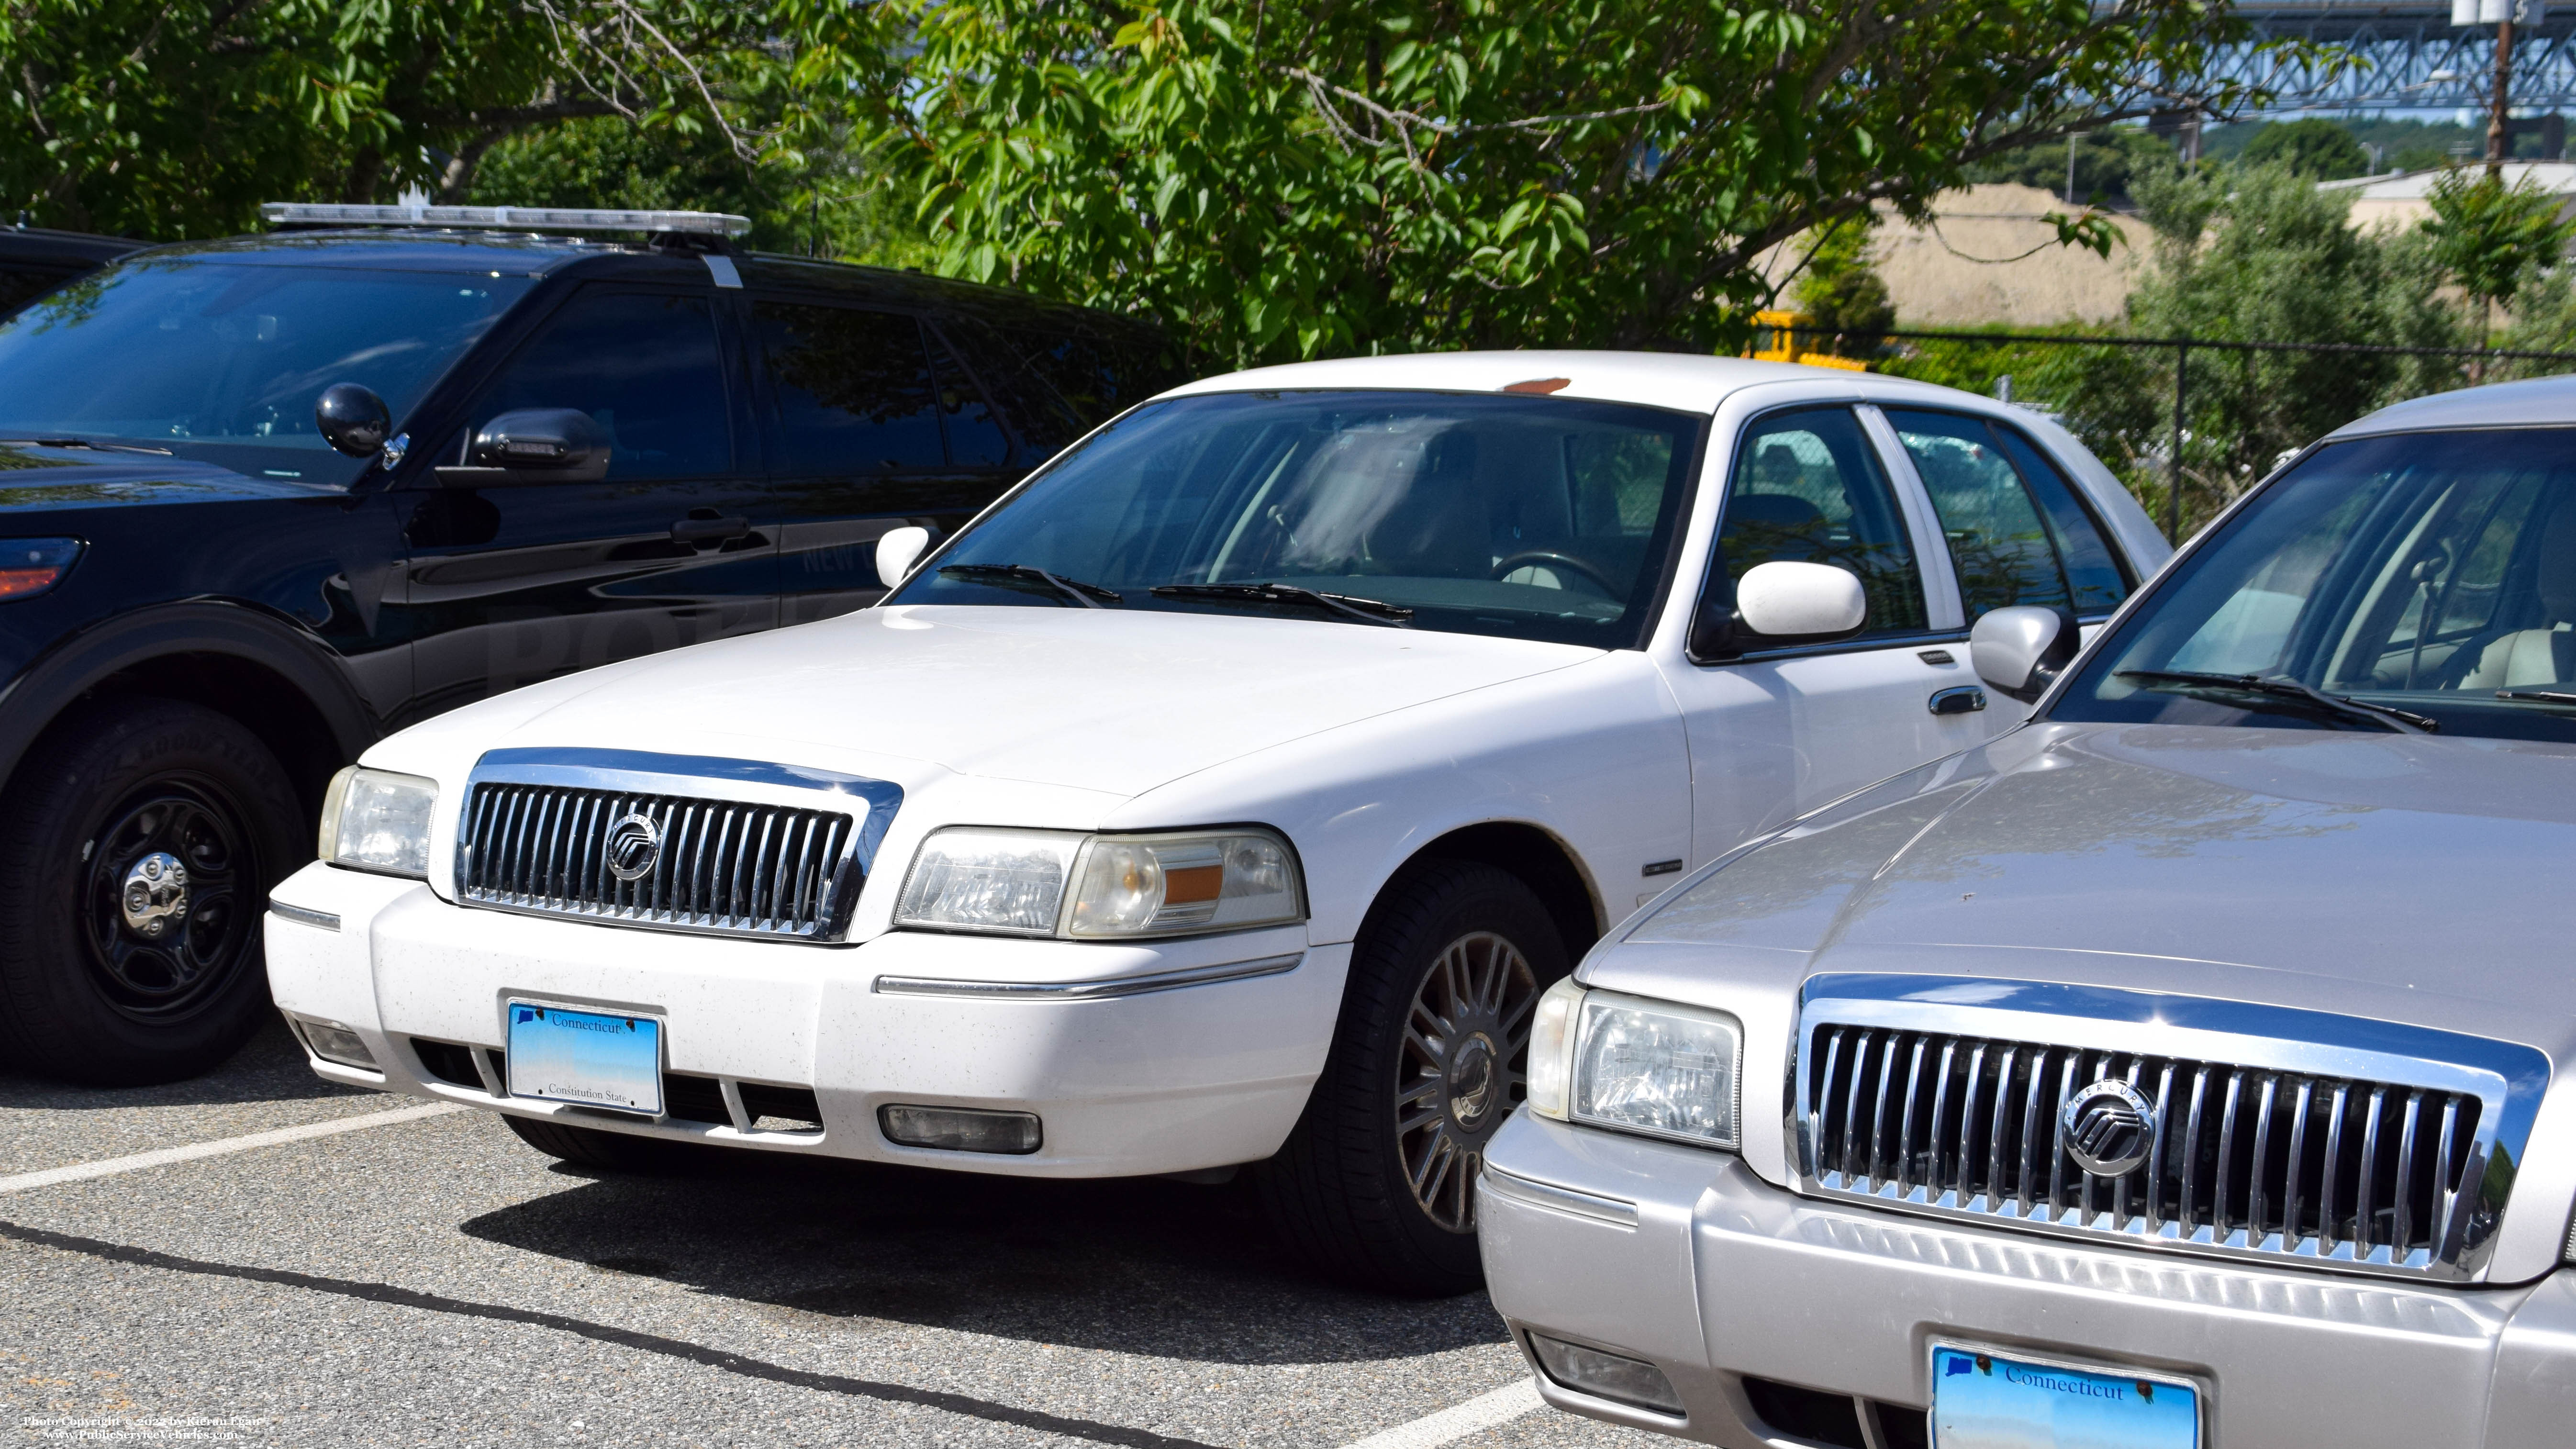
(1377, 1183)
(1463, 1068)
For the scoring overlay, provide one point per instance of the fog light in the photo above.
(336, 1044)
(1606, 1375)
(960, 1129)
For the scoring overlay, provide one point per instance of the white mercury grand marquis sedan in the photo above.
(1226, 794)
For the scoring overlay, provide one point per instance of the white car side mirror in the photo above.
(2020, 650)
(898, 549)
(1800, 601)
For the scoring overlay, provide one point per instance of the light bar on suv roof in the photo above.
(504, 218)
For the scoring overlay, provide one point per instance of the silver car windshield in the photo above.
(1523, 516)
(2432, 574)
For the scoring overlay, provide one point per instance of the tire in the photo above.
(91, 991)
(612, 1151)
(1396, 1107)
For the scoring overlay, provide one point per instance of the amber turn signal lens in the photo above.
(29, 566)
(1189, 885)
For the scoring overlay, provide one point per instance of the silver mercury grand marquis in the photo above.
(2180, 1069)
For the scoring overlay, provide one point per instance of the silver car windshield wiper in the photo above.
(1090, 596)
(2539, 696)
(1372, 611)
(2273, 687)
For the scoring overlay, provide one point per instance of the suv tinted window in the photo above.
(2017, 534)
(975, 437)
(852, 389)
(643, 365)
(1808, 489)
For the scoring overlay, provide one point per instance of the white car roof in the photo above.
(1677, 380)
(2539, 402)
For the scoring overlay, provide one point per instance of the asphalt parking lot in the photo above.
(430, 1279)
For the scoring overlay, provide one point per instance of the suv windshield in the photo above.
(2429, 573)
(223, 361)
(1527, 517)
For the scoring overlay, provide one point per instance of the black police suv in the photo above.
(34, 261)
(262, 500)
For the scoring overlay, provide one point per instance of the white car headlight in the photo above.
(377, 820)
(1654, 1067)
(1094, 887)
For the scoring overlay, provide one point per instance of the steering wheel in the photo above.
(1559, 560)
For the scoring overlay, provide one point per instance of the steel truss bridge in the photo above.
(2410, 55)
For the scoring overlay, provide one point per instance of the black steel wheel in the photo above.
(163, 903)
(146, 834)
(1376, 1185)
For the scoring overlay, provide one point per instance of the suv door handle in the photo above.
(1958, 699)
(709, 530)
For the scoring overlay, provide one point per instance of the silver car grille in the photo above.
(2255, 1155)
(538, 836)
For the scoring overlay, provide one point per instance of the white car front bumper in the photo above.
(1170, 1080)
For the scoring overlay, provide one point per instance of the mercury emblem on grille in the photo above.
(634, 847)
(2109, 1128)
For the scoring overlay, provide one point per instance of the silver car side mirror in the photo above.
(1778, 604)
(1800, 601)
(2020, 650)
(898, 549)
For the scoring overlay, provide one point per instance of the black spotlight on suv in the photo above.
(263, 499)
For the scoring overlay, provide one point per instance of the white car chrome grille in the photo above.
(2370, 1150)
(605, 836)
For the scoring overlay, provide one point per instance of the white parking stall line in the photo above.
(163, 1157)
(1472, 1417)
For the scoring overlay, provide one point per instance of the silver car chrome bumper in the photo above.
(1721, 1277)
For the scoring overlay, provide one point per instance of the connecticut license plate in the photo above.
(1985, 1401)
(596, 1059)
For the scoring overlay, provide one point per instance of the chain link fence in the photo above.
(2191, 422)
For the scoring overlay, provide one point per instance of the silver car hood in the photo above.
(2401, 879)
(2403, 863)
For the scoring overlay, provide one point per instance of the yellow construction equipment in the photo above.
(1789, 336)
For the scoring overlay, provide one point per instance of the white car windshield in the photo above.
(2428, 574)
(1528, 517)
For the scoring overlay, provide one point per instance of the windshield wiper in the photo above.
(2401, 720)
(2537, 696)
(1371, 611)
(97, 447)
(1090, 596)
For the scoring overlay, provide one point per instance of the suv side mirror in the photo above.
(532, 445)
(1779, 604)
(352, 419)
(898, 549)
(2020, 650)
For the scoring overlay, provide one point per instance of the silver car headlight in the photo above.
(377, 820)
(1653, 1067)
(1101, 887)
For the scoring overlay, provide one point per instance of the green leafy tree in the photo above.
(2259, 254)
(2493, 239)
(2314, 147)
(1845, 294)
(1286, 181)
(177, 119)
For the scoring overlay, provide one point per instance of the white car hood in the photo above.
(1115, 701)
